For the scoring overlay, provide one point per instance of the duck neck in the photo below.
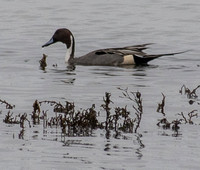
(70, 50)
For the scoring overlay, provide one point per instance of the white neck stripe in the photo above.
(69, 50)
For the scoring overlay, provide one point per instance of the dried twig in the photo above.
(136, 98)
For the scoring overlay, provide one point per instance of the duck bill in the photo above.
(51, 41)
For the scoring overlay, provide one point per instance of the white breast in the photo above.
(128, 60)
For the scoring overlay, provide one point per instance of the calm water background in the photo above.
(172, 25)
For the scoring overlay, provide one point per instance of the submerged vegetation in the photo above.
(83, 122)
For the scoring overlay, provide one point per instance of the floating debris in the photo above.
(55, 65)
(43, 62)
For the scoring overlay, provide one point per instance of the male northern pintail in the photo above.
(130, 55)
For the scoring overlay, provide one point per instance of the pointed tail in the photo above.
(145, 59)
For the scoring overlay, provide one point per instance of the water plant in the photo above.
(174, 124)
(10, 119)
(161, 105)
(36, 113)
(18, 119)
(8, 106)
(83, 122)
(191, 94)
(135, 97)
(191, 114)
(72, 122)
(164, 123)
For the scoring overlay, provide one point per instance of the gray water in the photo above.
(172, 26)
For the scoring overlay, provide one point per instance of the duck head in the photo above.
(61, 35)
(65, 36)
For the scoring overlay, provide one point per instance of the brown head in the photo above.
(61, 35)
(65, 36)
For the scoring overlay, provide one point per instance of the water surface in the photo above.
(172, 26)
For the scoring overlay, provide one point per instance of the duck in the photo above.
(129, 55)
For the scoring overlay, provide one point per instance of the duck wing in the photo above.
(124, 50)
(139, 56)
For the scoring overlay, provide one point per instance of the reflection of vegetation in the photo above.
(141, 146)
